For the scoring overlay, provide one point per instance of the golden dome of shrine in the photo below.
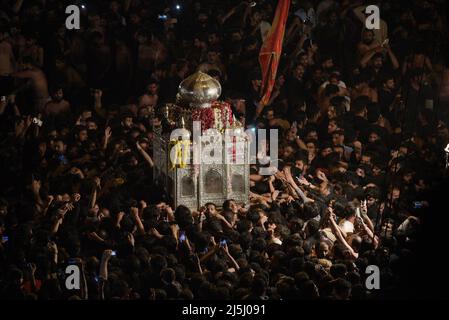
(199, 90)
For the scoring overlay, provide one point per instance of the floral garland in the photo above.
(218, 116)
(206, 116)
(181, 153)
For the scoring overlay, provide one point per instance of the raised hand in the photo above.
(274, 195)
(97, 93)
(287, 172)
(35, 186)
(309, 200)
(120, 216)
(76, 197)
(170, 214)
(52, 247)
(107, 254)
(31, 268)
(321, 176)
(61, 213)
(97, 182)
(225, 248)
(76, 171)
(134, 212)
(212, 241)
(63, 210)
(50, 199)
(271, 227)
(130, 238)
(108, 133)
(394, 154)
(302, 180)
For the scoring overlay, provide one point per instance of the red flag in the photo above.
(271, 50)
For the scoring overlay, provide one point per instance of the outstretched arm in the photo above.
(97, 185)
(139, 224)
(336, 230)
(107, 137)
(298, 190)
(226, 251)
(209, 254)
(104, 264)
(230, 13)
(359, 13)
(145, 155)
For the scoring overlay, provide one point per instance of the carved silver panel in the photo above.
(186, 188)
(211, 183)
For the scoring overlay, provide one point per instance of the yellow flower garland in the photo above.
(181, 154)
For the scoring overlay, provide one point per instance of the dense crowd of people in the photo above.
(362, 118)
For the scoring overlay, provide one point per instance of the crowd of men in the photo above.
(362, 118)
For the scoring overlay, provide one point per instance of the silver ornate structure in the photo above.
(195, 185)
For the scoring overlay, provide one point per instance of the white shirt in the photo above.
(347, 226)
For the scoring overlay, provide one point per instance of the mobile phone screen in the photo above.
(182, 236)
(63, 159)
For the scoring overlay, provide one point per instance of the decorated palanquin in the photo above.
(195, 182)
